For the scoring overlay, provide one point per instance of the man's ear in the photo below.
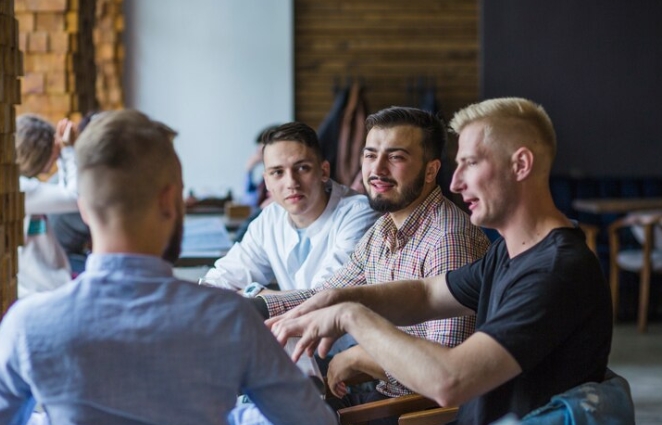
(431, 170)
(326, 171)
(168, 201)
(522, 163)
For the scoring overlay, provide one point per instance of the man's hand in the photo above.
(348, 364)
(318, 329)
(65, 133)
(318, 301)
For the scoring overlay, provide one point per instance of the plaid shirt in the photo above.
(435, 238)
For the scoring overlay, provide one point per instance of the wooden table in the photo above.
(616, 205)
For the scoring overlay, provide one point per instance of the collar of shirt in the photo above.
(395, 237)
(129, 264)
(314, 231)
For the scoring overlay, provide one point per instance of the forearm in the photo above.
(450, 376)
(405, 302)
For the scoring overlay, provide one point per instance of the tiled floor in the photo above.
(638, 358)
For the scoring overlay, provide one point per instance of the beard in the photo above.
(409, 194)
(174, 248)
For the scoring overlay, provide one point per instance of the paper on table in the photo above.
(306, 364)
(205, 233)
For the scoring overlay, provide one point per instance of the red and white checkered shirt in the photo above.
(436, 237)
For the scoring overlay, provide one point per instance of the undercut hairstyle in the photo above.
(35, 138)
(434, 131)
(124, 160)
(510, 120)
(294, 132)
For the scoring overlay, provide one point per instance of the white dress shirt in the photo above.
(271, 239)
(42, 263)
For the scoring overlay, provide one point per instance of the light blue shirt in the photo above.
(126, 343)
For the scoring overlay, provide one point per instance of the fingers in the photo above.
(284, 329)
(325, 346)
(65, 133)
(339, 390)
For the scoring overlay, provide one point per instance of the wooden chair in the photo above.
(644, 261)
(398, 406)
(438, 416)
(591, 233)
(384, 408)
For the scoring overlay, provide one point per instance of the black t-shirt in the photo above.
(550, 307)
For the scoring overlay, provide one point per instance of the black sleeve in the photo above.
(261, 305)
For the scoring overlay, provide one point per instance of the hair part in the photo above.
(35, 138)
(433, 128)
(293, 132)
(124, 160)
(512, 122)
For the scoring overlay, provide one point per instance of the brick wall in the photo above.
(109, 53)
(73, 56)
(11, 200)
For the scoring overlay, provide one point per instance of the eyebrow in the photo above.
(388, 150)
(300, 162)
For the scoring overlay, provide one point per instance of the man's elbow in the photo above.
(448, 392)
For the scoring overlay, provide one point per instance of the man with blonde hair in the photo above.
(543, 311)
(126, 342)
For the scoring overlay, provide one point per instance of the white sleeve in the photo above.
(246, 262)
(351, 225)
(50, 198)
(68, 169)
(47, 198)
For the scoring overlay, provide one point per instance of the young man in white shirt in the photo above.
(307, 233)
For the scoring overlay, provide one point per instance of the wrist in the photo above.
(351, 315)
(252, 290)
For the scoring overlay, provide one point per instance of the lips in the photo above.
(381, 185)
(294, 198)
(471, 203)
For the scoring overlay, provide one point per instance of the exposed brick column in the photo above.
(11, 200)
(56, 38)
(109, 53)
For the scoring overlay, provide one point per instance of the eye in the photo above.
(276, 173)
(304, 168)
(396, 158)
(368, 155)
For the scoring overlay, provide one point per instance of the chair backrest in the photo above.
(384, 408)
(437, 416)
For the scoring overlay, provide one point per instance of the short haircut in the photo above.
(434, 131)
(124, 160)
(294, 132)
(264, 131)
(34, 144)
(505, 116)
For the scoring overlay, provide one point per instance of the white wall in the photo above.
(217, 71)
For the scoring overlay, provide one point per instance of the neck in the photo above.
(399, 217)
(530, 223)
(118, 237)
(314, 214)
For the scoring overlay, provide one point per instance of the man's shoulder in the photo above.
(350, 203)
(37, 309)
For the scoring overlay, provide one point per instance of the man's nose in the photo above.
(292, 179)
(457, 184)
(380, 165)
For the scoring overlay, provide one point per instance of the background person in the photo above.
(43, 264)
